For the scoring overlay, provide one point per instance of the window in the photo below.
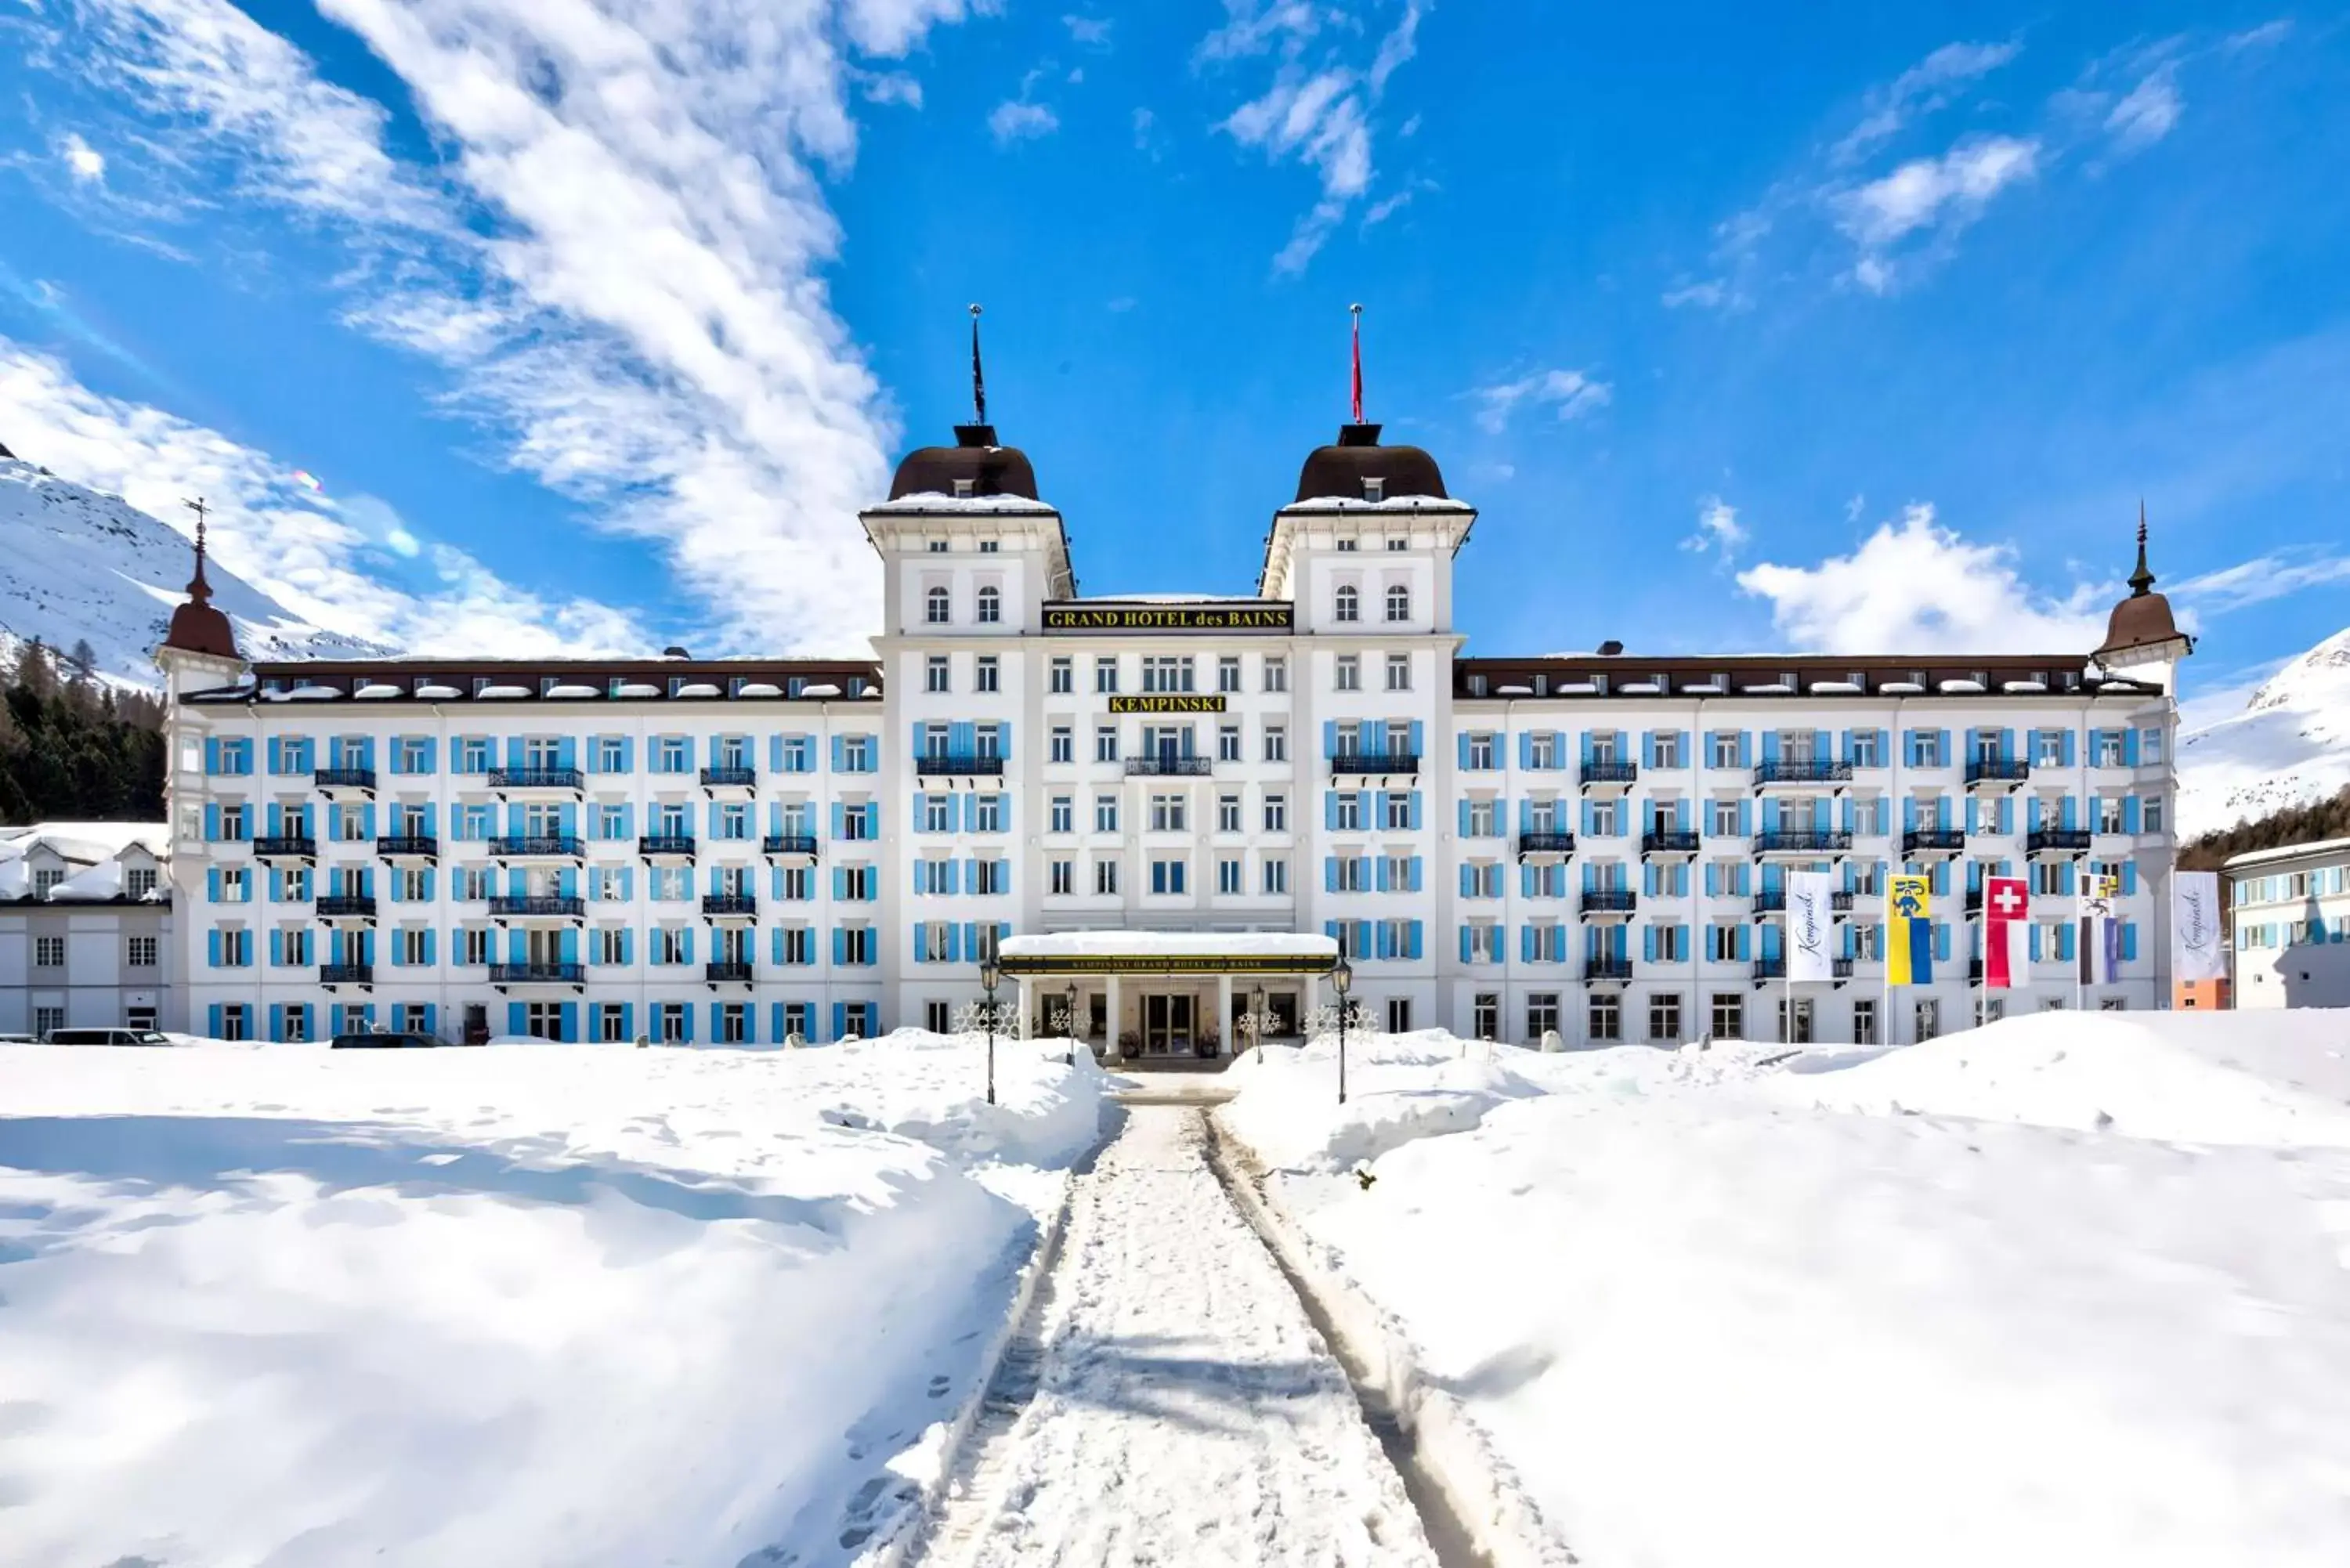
(989, 668)
(1398, 671)
(1106, 672)
(1276, 813)
(1228, 673)
(1228, 874)
(1668, 745)
(1930, 1020)
(1925, 748)
(990, 876)
(1277, 673)
(1228, 814)
(1166, 673)
(1349, 874)
(1350, 544)
(1868, 749)
(1061, 878)
(674, 755)
(934, 673)
(1481, 752)
(48, 953)
(1276, 875)
(1350, 673)
(936, 607)
(799, 945)
(991, 606)
(610, 1022)
(1541, 1014)
(1606, 1015)
(1061, 814)
(858, 884)
(1064, 744)
(235, 1023)
(1227, 743)
(138, 952)
(1398, 600)
(1398, 1015)
(1863, 1021)
(990, 546)
(1106, 875)
(1349, 606)
(1064, 675)
(1346, 812)
(1665, 1016)
(1167, 813)
(1672, 942)
(1482, 820)
(937, 813)
(2149, 747)
(236, 947)
(2150, 814)
(1167, 876)
(611, 944)
(669, 1022)
(1106, 743)
(139, 881)
(987, 814)
(1276, 742)
(1105, 813)
(1722, 749)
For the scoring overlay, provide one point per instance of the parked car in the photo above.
(387, 1041)
(108, 1037)
(19, 1040)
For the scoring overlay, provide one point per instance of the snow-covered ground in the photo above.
(2063, 1291)
(588, 1306)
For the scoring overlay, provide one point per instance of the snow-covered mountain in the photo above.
(2291, 745)
(77, 565)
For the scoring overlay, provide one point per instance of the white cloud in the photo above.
(2260, 37)
(2145, 116)
(1916, 586)
(1091, 31)
(1939, 196)
(1705, 294)
(1718, 529)
(1930, 85)
(310, 554)
(1254, 26)
(2273, 576)
(1571, 393)
(617, 252)
(84, 163)
(891, 86)
(1014, 121)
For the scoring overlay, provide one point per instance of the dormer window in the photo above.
(962, 489)
(1399, 545)
(990, 546)
(938, 546)
(1348, 544)
(1375, 489)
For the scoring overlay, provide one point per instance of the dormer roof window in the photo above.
(1374, 489)
(962, 489)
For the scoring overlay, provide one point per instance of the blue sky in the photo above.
(1863, 329)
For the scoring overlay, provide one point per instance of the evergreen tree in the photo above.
(2310, 823)
(77, 752)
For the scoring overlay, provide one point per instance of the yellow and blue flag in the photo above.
(1908, 933)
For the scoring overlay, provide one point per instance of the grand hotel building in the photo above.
(747, 848)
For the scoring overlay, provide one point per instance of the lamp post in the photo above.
(988, 976)
(1069, 1025)
(1256, 1020)
(1342, 980)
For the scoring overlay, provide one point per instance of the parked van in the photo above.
(107, 1037)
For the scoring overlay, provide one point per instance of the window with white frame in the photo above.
(1167, 813)
(48, 953)
(1166, 874)
(1106, 672)
(937, 607)
(1106, 875)
(1064, 675)
(1721, 818)
(1276, 873)
(1350, 673)
(140, 952)
(934, 673)
(1276, 672)
(1346, 812)
(1166, 673)
(1064, 744)
(1227, 743)
(1229, 873)
(1228, 673)
(1399, 602)
(1105, 813)
(988, 671)
(1061, 878)
(1348, 605)
(991, 606)
(1061, 814)
(1228, 814)
(1276, 742)
(1276, 813)
(1106, 743)
(1398, 671)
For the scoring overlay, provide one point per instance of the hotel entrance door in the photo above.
(1166, 1024)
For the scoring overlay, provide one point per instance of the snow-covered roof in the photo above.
(936, 501)
(100, 849)
(2323, 846)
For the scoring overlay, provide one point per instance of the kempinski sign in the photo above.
(1170, 702)
(1253, 616)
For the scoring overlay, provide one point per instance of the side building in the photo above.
(85, 931)
(2289, 910)
(743, 849)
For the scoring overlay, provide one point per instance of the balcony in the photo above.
(408, 847)
(1671, 842)
(781, 845)
(1607, 969)
(1994, 774)
(665, 845)
(537, 905)
(727, 971)
(524, 780)
(1776, 903)
(1170, 767)
(538, 846)
(729, 777)
(735, 906)
(1810, 842)
(506, 974)
(1804, 771)
(1608, 903)
(345, 906)
(285, 846)
(1545, 844)
(333, 780)
(1922, 842)
(1383, 763)
(358, 974)
(957, 764)
(2057, 841)
(1610, 774)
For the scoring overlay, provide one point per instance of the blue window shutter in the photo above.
(212, 947)
(1587, 748)
(2129, 940)
(2071, 809)
(2129, 748)
(1525, 748)
(2129, 811)
(1415, 727)
(213, 1021)
(1411, 875)
(1411, 937)
(1647, 942)
(277, 946)
(1461, 744)
(2068, 753)
(2129, 878)
(1329, 737)
(1379, 877)
(1770, 746)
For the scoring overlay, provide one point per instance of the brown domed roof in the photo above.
(2143, 620)
(196, 626)
(991, 470)
(1336, 473)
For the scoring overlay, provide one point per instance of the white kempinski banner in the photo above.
(2198, 952)
(1811, 926)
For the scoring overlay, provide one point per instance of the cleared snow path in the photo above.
(1168, 1401)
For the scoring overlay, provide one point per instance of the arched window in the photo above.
(1350, 604)
(991, 606)
(935, 607)
(1399, 603)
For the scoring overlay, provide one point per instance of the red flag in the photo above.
(2007, 923)
(1359, 365)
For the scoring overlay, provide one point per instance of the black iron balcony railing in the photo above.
(539, 974)
(346, 974)
(1770, 969)
(408, 846)
(537, 778)
(548, 904)
(1807, 770)
(651, 844)
(1376, 763)
(729, 904)
(1545, 844)
(330, 904)
(1918, 841)
(1668, 841)
(789, 844)
(343, 778)
(282, 846)
(1775, 903)
(713, 778)
(542, 846)
(1170, 767)
(1812, 842)
(722, 970)
(1994, 770)
(1607, 967)
(957, 763)
(1609, 901)
(1610, 773)
(2057, 841)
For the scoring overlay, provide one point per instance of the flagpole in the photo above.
(1356, 397)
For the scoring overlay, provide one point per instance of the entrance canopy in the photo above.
(1167, 953)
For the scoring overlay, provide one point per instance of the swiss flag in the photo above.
(2007, 924)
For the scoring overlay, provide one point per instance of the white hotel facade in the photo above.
(747, 848)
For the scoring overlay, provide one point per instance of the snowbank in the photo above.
(425, 1307)
(1709, 1310)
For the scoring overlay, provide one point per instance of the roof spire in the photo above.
(199, 590)
(978, 381)
(1357, 312)
(2142, 580)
